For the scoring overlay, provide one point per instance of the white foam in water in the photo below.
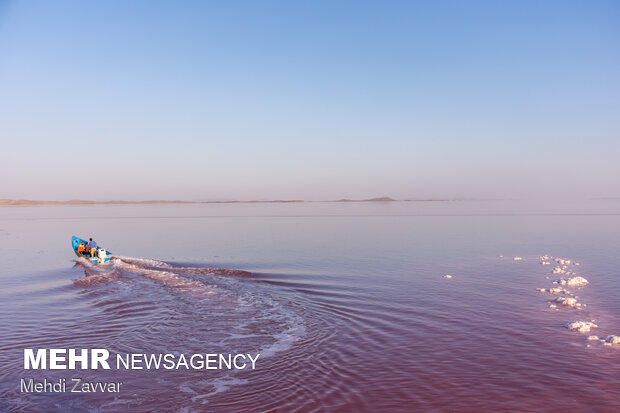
(144, 261)
(284, 340)
(581, 326)
(447, 276)
(166, 278)
(593, 338)
(220, 385)
(572, 282)
(517, 259)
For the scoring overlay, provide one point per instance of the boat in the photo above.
(101, 257)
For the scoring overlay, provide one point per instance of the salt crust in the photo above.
(567, 302)
(581, 326)
(572, 282)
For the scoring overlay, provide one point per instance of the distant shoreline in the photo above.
(27, 202)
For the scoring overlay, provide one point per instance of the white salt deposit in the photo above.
(572, 282)
(556, 290)
(581, 326)
(517, 258)
(447, 276)
(567, 302)
(568, 299)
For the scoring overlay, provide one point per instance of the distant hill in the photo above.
(380, 199)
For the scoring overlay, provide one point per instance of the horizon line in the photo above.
(28, 202)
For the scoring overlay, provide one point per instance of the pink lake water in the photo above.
(346, 302)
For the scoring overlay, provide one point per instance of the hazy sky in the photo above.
(203, 100)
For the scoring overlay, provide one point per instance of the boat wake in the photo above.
(158, 270)
(159, 307)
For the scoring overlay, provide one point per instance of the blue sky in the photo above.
(309, 100)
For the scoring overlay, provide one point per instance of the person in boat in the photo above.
(81, 248)
(86, 249)
(93, 247)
